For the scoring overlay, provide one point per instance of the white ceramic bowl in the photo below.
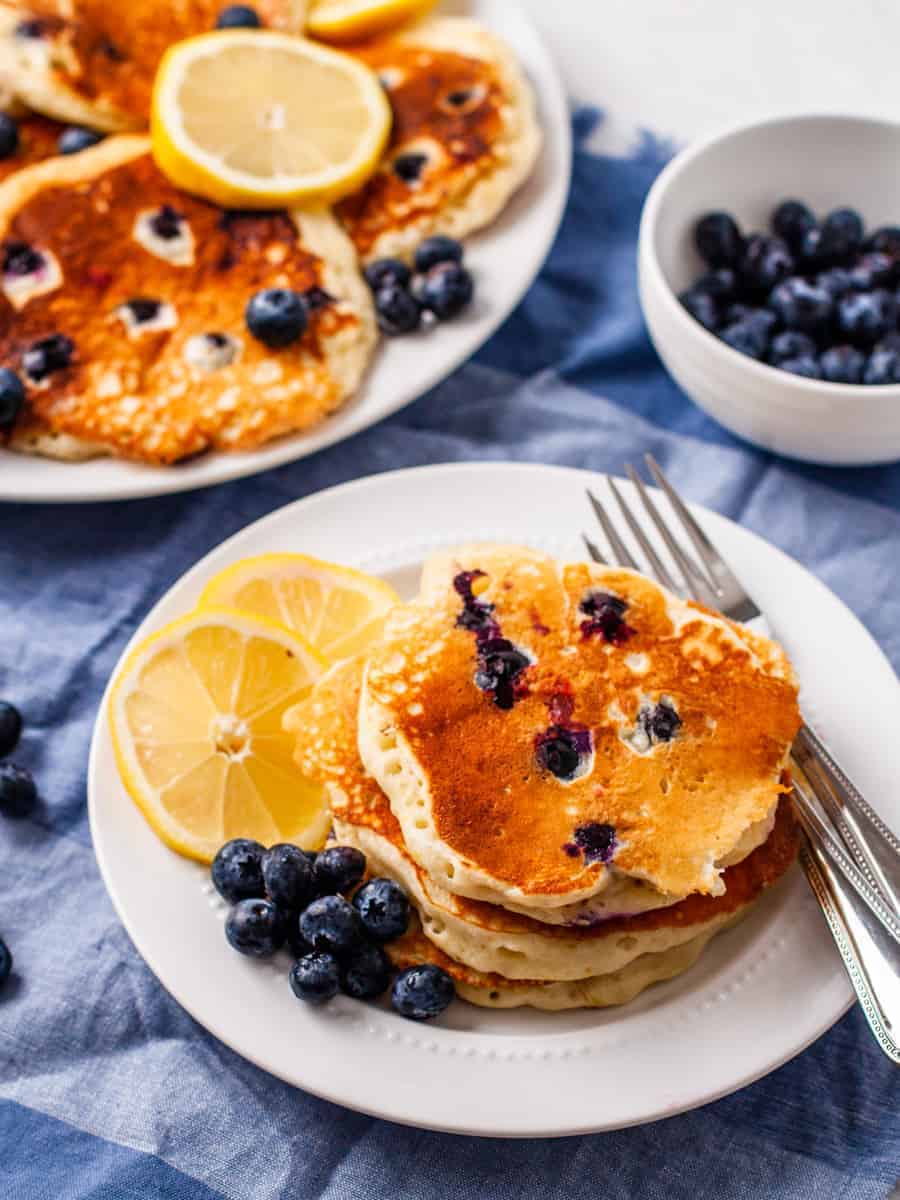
(827, 161)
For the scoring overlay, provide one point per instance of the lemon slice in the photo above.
(258, 118)
(344, 20)
(195, 714)
(339, 611)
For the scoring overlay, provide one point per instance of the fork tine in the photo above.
(620, 551)
(659, 567)
(674, 549)
(709, 556)
(593, 551)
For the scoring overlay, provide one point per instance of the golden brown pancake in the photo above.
(674, 733)
(464, 136)
(38, 138)
(162, 387)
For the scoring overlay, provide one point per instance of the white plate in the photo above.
(759, 994)
(504, 258)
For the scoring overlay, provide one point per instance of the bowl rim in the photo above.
(649, 266)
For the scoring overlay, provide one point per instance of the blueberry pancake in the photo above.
(464, 138)
(37, 138)
(123, 311)
(553, 734)
(92, 62)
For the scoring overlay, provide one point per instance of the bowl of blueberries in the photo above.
(769, 272)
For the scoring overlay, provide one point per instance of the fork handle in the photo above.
(873, 846)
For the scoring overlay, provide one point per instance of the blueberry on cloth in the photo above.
(18, 794)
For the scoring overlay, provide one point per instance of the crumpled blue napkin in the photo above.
(108, 1090)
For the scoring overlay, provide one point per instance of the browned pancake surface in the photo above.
(38, 137)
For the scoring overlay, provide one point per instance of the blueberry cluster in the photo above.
(439, 290)
(285, 896)
(18, 795)
(816, 299)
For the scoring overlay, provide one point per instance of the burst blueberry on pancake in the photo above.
(123, 307)
(464, 136)
(38, 138)
(549, 734)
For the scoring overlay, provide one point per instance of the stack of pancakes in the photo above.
(577, 778)
(186, 377)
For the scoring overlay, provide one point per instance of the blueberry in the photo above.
(316, 298)
(332, 924)
(76, 138)
(10, 726)
(18, 795)
(871, 270)
(806, 365)
(842, 364)
(791, 345)
(387, 270)
(166, 223)
(864, 317)
(315, 978)
(791, 220)
(746, 337)
(409, 167)
(238, 16)
(446, 290)
(339, 869)
(500, 663)
(397, 310)
(810, 254)
(383, 909)
(143, 309)
(12, 397)
(288, 876)
(21, 259)
(890, 341)
(702, 308)
(766, 262)
(883, 367)
(366, 973)
(237, 872)
(885, 241)
(6, 962)
(436, 250)
(276, 316)
(561, 751)
(422, 992)
(50, 354)
(718, 239)
(842, 234)
(294, 939)
(596, 841)
(660, 722)
(720, 284)
(739, 310)
(9, 135)
(837, 281)
(801, 305)
(605, 615)
(255, 927)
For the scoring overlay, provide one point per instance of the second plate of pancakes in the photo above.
(759, 994)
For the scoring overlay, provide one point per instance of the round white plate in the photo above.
(759, 994)
(505, 258)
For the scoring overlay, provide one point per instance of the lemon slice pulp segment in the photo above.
(345, 20)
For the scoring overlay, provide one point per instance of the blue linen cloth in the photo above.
(108, 1090)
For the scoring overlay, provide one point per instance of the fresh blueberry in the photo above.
(766, 262)
(561, 751)
(886, 241)
(387, 270)
(737, 312)
(383, 909)
(143, 309)
(810, 254)
(21, 259)
(255, 927)
(288, 876)
(890, 341)
(276, 316)
(293, 938)
(746, 337)
(9, 135)
(237, 872)
(339, 869)
(842, 364)
(18, 795)
(166, 222)
(30, 28)
(791, 344)
(837, 281)
(366, 973)
(721, 284)
(397, 310)
(806, 365)
(331, 924)
(6, 962)
(605, 615)
(660, 721)
(422, 992)
(864, 317)
(718, 239)
(50, 354)
(446, 290)
(315, 978)
(500, 663)
(436, 250)
(842, 234)
(883, 367)
(409, 167)
(12, 397)
(801, 305)
(872, 270)
(791, 220)
(596, 840)
(76, 138)
(238, 16)
(702, 308)
(10, 727)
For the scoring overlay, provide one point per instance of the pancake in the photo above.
(464, 137)
(482, 936)
(91, 62)
(185, 376)
(38, 137)
(667, 731)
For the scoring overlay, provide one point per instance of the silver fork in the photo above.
(850, 857)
